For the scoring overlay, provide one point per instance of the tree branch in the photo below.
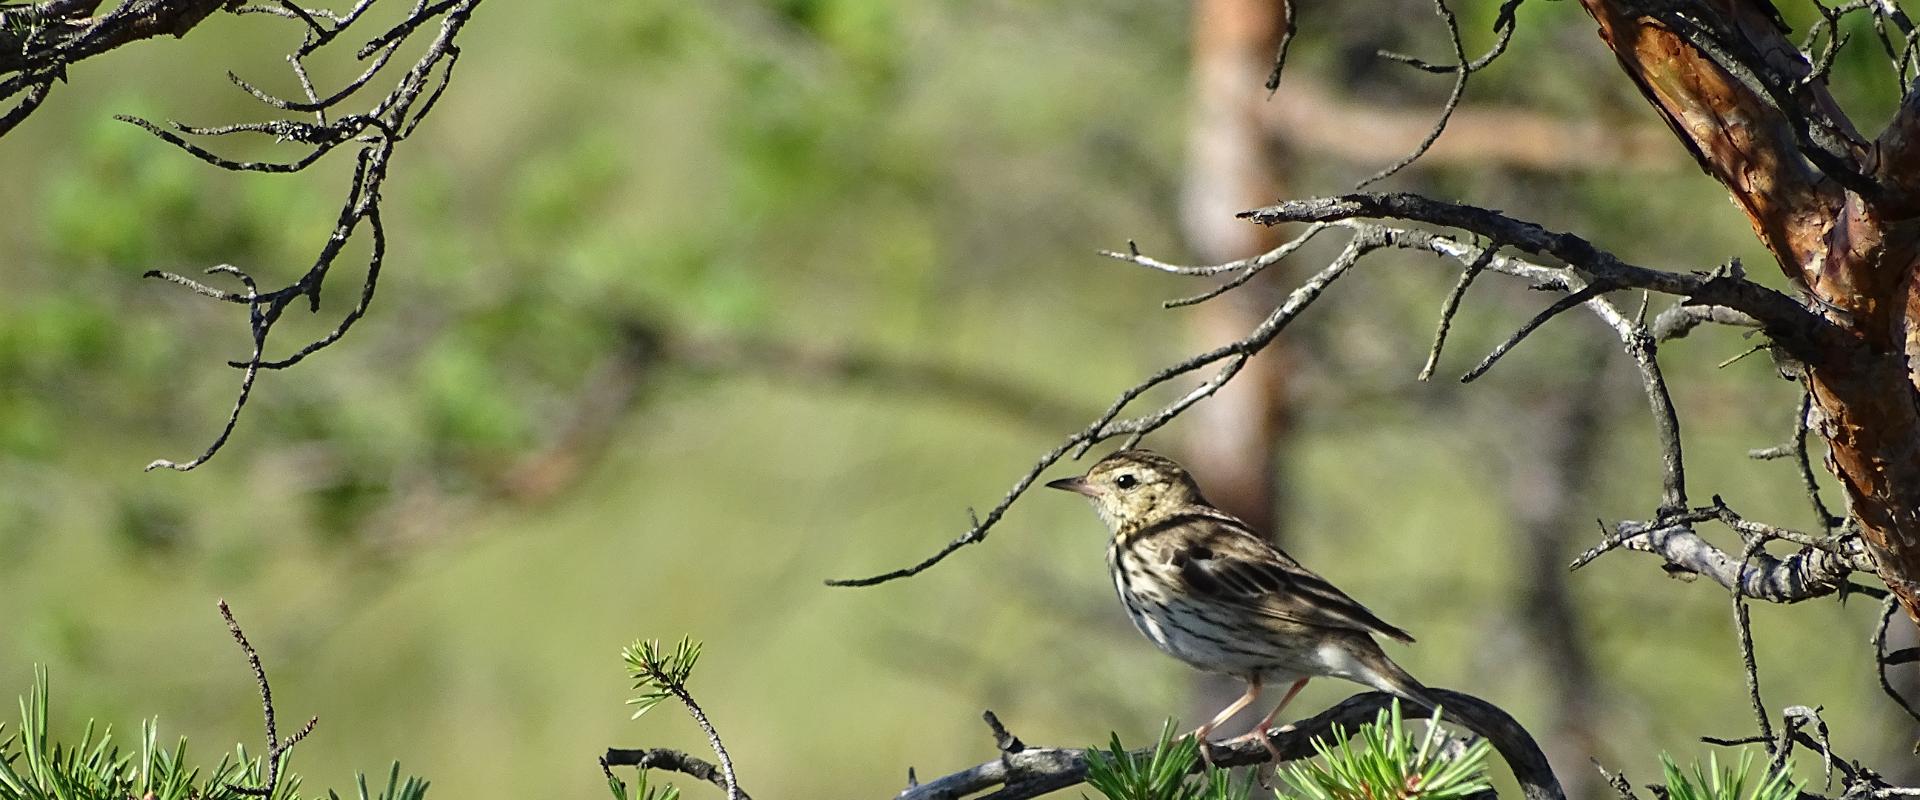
(1028, 771)
(39, 41)
(276, 746)
(1819, 569)
(670, 760)
(1784, 319)
(376, 132)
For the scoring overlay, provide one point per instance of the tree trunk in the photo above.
(1836, 210)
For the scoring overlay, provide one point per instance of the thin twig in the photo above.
(1460, 73)
(1451, 306)
(374, 134)
(1559, 306)
(1881, 661)
(1743, 626)
(1231, 357)
(276, 746)
(699, 715)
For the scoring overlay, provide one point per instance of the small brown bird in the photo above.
(1211, 592)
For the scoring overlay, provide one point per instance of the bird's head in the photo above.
(1132, 488)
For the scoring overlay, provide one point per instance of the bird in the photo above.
(1210, 591)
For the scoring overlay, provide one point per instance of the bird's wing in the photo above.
(1222, 560)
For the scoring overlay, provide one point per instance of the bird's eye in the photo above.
(1126, 481)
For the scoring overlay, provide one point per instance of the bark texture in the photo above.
(1836, 210)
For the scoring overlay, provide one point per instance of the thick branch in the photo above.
(1785, 320)
(38, 41)
(1742, 99)
(1033, 771)
(1805, 575)
(1836, 214)
(669, 760)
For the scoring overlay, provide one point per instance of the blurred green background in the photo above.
(441, 531)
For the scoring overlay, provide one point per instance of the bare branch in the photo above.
(1451, 306)
(1681, 318)
(1743, 625)
(1588, 266)
(1783, 318)
(374, 134)
(38, 41)
(1570, 301)
(666, 759)
(276, 746)
(1882, 660)
(1231, 357)
(1461, 70)
(1819, 569)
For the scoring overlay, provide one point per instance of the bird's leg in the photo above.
(1246, 699)
(1259, 731)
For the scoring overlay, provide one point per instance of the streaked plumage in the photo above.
(1208, 590)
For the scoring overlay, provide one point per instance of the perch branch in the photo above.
(1026, 771)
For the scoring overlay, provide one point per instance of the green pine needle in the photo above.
(33, 766)
(1388, 763)
(1713, 782)
(1167, 773)
(656, 676)
(640, 790)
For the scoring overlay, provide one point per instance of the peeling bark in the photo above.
(1837, 214)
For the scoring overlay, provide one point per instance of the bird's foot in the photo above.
(1259, 734)
(1206, 747)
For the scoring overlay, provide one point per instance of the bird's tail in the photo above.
(1381, 673)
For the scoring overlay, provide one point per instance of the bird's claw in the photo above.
(1266, 741)
(1274, 757)
(1206, 750)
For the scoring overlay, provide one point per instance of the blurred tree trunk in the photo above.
(1234, 439)
(1236, 435)
(1839, 212)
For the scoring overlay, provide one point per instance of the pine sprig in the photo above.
(640, 790)
(1716, 783)
(657, 676)
(34, 766)
(1165, 774)
(1390, 763)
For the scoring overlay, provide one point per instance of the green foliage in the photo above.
(655, 676)
(1164, 774)
(1390, 763)
(1713, 782)
(35, 767)
(639, 790)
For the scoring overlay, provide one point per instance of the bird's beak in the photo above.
(1075, 484)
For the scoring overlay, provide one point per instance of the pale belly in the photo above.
(1207, 637)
